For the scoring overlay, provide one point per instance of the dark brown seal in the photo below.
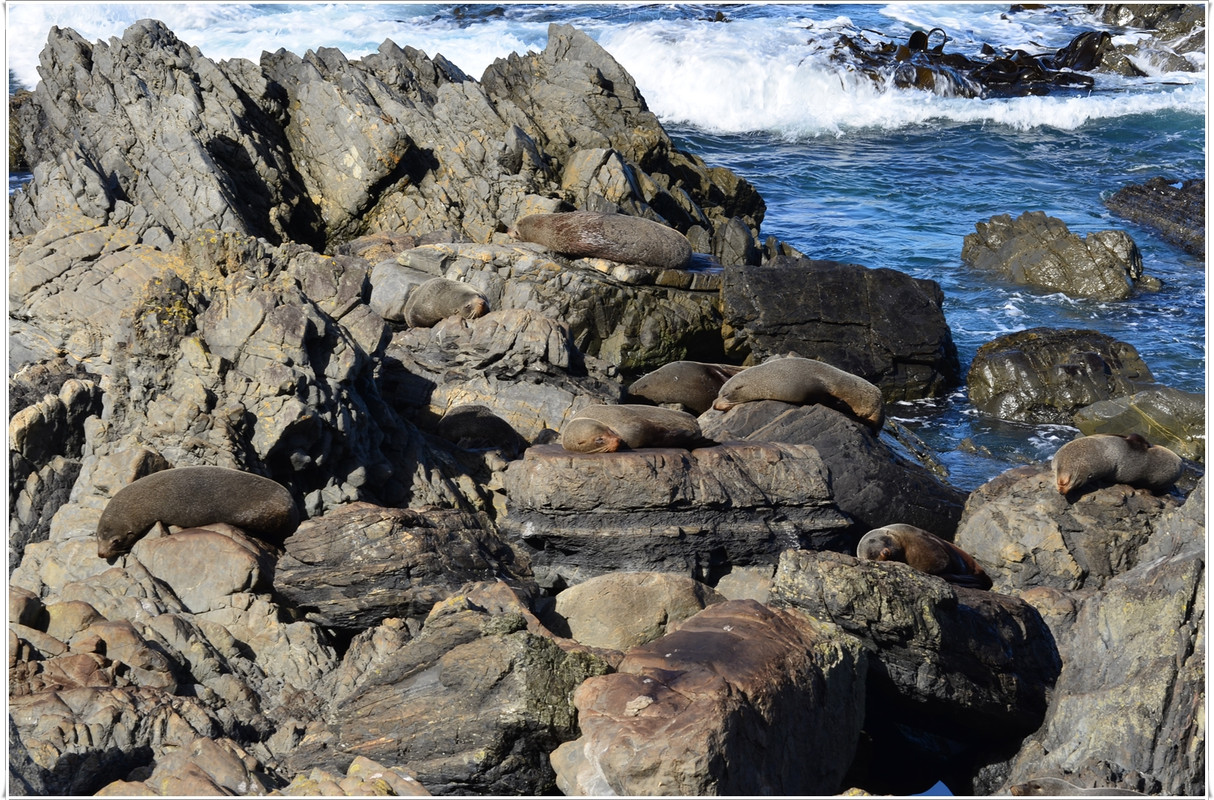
(439, 298)
(692, 384)
(191, 497)
(805, 381)
(1057, 787)
(1111, 457)
(606, 429)
(925, 551)
(616, 237)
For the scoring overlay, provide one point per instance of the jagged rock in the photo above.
(1026, 534)
(364, 778)
(839, 313)
(1045, 375)
(1039, 250)
(954, 673)
(622, 610)
(667, 510)
(1167, 416)
(740, 700)
(868, 480)
(1177, 210)
(203, 767)
(359, 564)
(204, 567)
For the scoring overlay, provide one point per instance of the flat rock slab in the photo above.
(741, 700)
(669, 510)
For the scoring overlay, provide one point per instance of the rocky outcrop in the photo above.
(1039, 250)
(1176, 209)
(839, 313)
(1045, 375)
(740, 700)
(1170, 417)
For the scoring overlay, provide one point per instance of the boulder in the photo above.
(363, 778)
(839, 313)
(1045, 375)
(1026, 534)
(694, 512)
(740, 700)
(1039, 250)
(869, 481)
(1174, 209)
(1173, 418)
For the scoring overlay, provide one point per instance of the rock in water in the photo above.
(617, 237)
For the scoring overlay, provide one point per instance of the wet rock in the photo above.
(1170, 417)
(1039, 250)
(667, 510)
(1046, 375)
(1026, 534)
(740, 700)
(868, 480)
(838, 313)
(1175, 209)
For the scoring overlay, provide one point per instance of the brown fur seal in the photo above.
(925, 552)
(439, 298)
(805, 381)
(606, 429)
(617, 237)
(1057, 787)
(190, 497)
(1119, 459)
(693, 384)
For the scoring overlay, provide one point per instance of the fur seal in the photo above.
(439, 298)
(805, 381)
(925, 552)
(616, 237)
(606, 429)
(1120, 459)
(190, 497)
(1057, 787)
(692, 384)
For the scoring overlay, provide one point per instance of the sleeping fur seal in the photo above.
(616, 237)
(190, 497)
(925, 552)
(692, 384)
(1119, 459)
(439, 298)
(804, 381)
(606, 429)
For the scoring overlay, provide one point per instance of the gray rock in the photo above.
(839, 313)
(1046, 375)
(1039, 250)
(1168, 416)
(740, 700)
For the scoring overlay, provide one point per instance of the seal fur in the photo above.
(439, 298)
(616, 237)
(692, 384)
(924, 551)
(606, 429)
(1112, 457)
(805, 381)
(191, 497)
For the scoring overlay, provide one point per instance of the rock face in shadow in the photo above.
(740, 700)
(838, 313)
(1177, 210)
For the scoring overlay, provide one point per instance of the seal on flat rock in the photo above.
(1129, 459)
(439, 298)
(924, 551)
(805, 381)
(191, 497)
(1057, 787)
(606, 429)
(692, 384)
(616, 237)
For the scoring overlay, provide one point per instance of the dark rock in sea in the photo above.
(1026, 534)
(1175, 209)
(694, 512)
(741, 700)
(839, 313)
(1167, 416)
(868, 480)
(1045, 375)
(1038, 250)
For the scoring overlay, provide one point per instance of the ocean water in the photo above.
(851, 169)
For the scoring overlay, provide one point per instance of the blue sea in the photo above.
(851, 170)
